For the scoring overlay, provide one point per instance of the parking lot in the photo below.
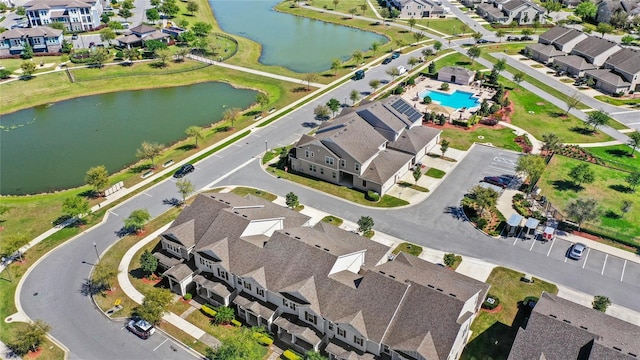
(503, 165)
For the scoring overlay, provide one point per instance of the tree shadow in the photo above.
(327, 75)
(223, 129)
(463, 63)
(186, 147)
(141, 168)
(403, 32)
(563, 185)
(582, 130)
(124, 231)
(309, 124)
(621, 188)
(137, 273)
(558, 114)
(618, 153)
(299, 89)
(172, 202)
(90, 288)
(253, 113)
(612, 215)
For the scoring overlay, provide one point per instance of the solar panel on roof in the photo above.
(406, 109)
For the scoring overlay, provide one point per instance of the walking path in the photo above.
(535, 143)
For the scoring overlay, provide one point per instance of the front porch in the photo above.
(213, 291)
(254, 311)
(297, 334)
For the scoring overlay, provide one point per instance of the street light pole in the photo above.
(266, 146)
(95, 246)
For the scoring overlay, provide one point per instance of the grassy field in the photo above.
(493, 333)
(617, 156)
(449, 26)
(435, 173)
(458, 59)
(462, 139)
(617, 101)
(14, 64)
(609, 189)
(408, 248)
(330, 219)
(243, 191)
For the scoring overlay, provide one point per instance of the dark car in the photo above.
(359, 75)
(141, 327)
(497, 181)
(395, 55)
(184, 170)
(513, 38)
(576, 250)
(526, 38)
(74, 37)
(482, 41)
(386, 61)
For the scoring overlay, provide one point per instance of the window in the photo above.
(328, 160)
(292, 306)
(385, 348)
(358, 340)
(321, 170)
(285, 302)
(260, 292)
(223, 274)
(357, 167)
(310, 317)
(247, 286)
(334, 175)
(343, 162)
(239, 281)
(307, 153)
(342, 332)
(331, 326)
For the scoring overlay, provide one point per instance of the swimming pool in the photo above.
(458, 99)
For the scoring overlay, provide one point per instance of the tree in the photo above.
(586, 10)
(385, 13)
(154, 45)
(444, 146)
(99, 58)
(136, 220)
(187, 37)
(156, 3)
(427, 52)
(336, 64)
(417, 173)
(335, 4)
(353, 11)
(309, 78)
(619, 19)
(28, 68)
(583, 210)
(550, 142)
(169, 7)
(313, 355)
(626, 206)
(162, 56)
(103, 276)
(115, 25)
(357, 57)
(532, 166)
(107, 34)
(582, 173)
(393, 72)
(240, 346)
(20, 10)
(412, 61)
(601, 303)
(598, 118)
(412, 23)
(374, 84)
(419, 35)
(473, 53)
(152, 15)
(148, 263)
(321, 112)
(201, 29)
(432, 68)
(627, 40)
(518, 77)
(334, 105)
(185, 188)
(97, 177)
(75, 206)
(365, 223)
(231, 114)
(572, 103)
(292, 200)
(263, 100)
(127, 4)
(149, 151)
(484, 197)
(224, 315)
(633, 180)
(354, 96)
(363, 7)
(634, 142)
(552, 6)
(155, 304)
(449, 260)
(375, 46)
(604, 28)
(29, 337)
(526, 32)
(500, 33)
(192, 7)
(500, 65)
(27, 53)
(477, 36)
(437, 46)
(125, 13)
(132, 54)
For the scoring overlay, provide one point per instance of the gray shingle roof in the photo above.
(574, 61)
(457, 70)
(58, 3)
(553, 34)
(414, 139)
(561, 329)
(593, 46)
(607, 76)
(547, 50)
(627, 60)
(351, 136)
(383, 166)
(571, 35)
(30, 32)
(513, 4)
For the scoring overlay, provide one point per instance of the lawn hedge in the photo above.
(290, 355)
(208, 310)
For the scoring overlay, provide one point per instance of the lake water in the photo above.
(51, 147)
(300, 44)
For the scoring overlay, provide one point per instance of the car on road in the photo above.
(74, 37)
(576, 250)
(513, 38)
(386, 61)
(359, 75)
(401, 70)
(184, 170)
(141, 327)
(526, 38)
(483, 41)
(497, 181)
(395, 55)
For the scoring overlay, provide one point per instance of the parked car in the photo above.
(386, 61)
(184, 170)
(526, 38)
(483, 41)
(497, 181)
(576, 250)
(513, 38)
(395, 55)
(141, 327)
(401, 70)
(359, 75)
(74, 37)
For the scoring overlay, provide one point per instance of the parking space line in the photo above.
(604, 264)
(586, 257)
(551, 246)
(111, 212)
(165, 340)
(144, 193)
(624, 266)
(533, 242)
(515, 241)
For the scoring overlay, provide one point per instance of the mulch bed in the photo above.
(34, 354)
(497, 309)
(150, 281)
(472, 128)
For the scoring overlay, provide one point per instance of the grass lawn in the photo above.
(448, 26)
(538, 117)
(342, 192)
(405, 184)
(435, 173)
(408, 248)
(243, 191)
(609, 189)
(493, 333)
(14, 64)
(462, 139)
(617, 125)
(458, 59)
(617, 101)
(330, 219)
(617, 156)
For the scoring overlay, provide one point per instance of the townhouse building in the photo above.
(76, 15)
(317, 287)
(505, 12)
(42, 39)
(418, 8)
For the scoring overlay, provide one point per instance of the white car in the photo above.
(401, 70)
(141, 327)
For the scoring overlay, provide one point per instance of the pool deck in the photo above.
(427, 84)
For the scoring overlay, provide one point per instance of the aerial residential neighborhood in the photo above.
(327, 179)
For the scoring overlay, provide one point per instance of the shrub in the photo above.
(263, 339)
(4, 74)
(482, 223)
(601, 303)
(518, 197)
(188, 296)
(208, 310)
(373, 196)
(236, 323)
(491, 302)
(427, 100)
(449, 259)
(119, 54)
(290, 355)
(444, 86)
(462, 123)
(530, 300)
(398, 90)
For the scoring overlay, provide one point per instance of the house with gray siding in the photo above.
(42, 39)
(76, 15)
(543, 53)
(561, 329)
(608, 81)
(606, 9)
(318, 287)
(364, 148)
(573, 65)
(626, 63)
(456, 75)
(417, 8)
(595, 50)
(562, 38)
(504, 12)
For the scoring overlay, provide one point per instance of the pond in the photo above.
(51, 147)
(300, 44)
